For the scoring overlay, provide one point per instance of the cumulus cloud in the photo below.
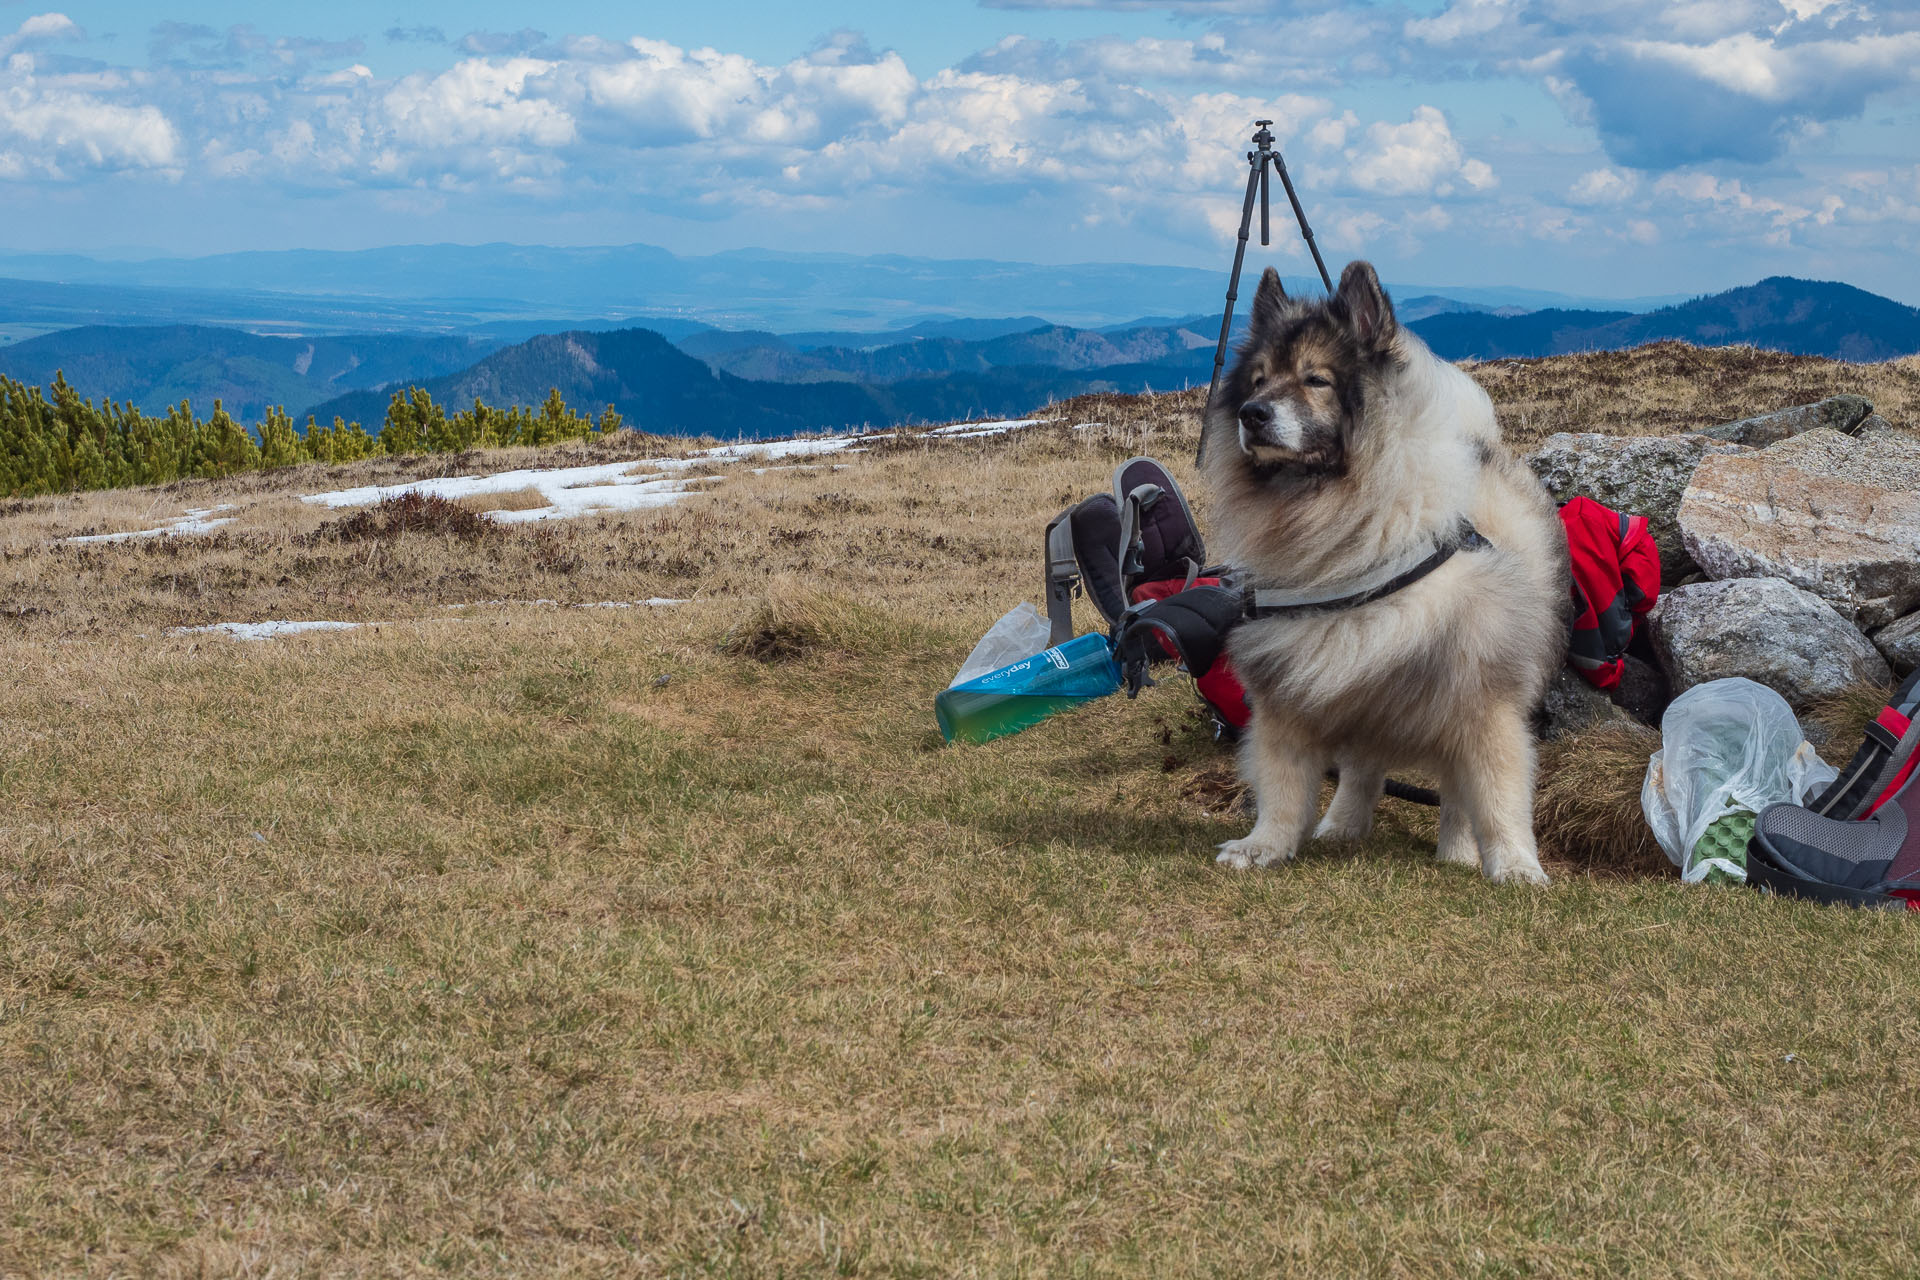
(52, 126)
(41, 29)
(1420, 157)
(1668, 85)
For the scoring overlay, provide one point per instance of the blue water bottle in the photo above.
(1014, 697)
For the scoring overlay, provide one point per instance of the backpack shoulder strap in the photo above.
(1158, 536)
(1063, 577)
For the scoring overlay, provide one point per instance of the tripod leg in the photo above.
(1266, 237)
(1233, 292)
(1300, 216)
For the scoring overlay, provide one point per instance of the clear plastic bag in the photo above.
(1020, 634)
(1726, 745)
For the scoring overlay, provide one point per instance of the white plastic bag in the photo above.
(1726, 744)
(1020, 634)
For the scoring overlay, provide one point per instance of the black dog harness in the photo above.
(1270, 603)
(1196, 622)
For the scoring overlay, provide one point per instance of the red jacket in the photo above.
(1616, 580)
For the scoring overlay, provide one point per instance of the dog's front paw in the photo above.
(1249, 852)
(1518, 870)
(1344, 829)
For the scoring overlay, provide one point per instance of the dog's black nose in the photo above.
(1256, 414)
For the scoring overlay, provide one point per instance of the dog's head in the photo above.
(1297, 393)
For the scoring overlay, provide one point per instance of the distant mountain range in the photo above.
(758, 382)
(658, 387)
(158, 367)
(499, 289)
(1806, 317)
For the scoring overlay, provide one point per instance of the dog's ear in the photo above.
(1269, 302)
(1362, 304)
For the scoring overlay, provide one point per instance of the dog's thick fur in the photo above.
(1338, 444)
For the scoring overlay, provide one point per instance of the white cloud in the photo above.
(1466, 18)
(53, 124)
(1603, 186)
(1420, 157)
(476, 101)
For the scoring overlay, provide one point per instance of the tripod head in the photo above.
(1262, 137)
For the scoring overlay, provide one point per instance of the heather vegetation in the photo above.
(59, 442)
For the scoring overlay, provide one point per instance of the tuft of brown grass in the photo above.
(1837, 723)
(1587, 806)
(794, 620)
(407, 513)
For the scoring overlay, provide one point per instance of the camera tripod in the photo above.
(1258, 159)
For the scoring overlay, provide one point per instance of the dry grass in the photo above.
(554, 941)
(1588, 809)
(1666, 387)
(519, 500)
(1837, 724)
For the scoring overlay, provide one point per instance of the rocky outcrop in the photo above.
(1764, 629)
(1835, 413)
(1640, 475)
(1835, 515)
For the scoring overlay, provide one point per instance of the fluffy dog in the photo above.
(1340, 449)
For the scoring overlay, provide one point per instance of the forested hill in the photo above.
(1804, 317)
(653, 384)
(156, 367)
(657, 387)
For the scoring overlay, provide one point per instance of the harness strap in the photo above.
(1271, 603)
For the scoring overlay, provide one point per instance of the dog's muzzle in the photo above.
(1267, 428)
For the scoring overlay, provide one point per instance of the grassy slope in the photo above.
(471, 944)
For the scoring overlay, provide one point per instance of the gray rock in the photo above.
(1640, 475)
(1766, 630)
(1572, 705)
(1836, 413)
(1899, 644)
(1836, 515)
(1875, 425)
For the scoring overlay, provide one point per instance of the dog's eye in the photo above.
(1315, 380)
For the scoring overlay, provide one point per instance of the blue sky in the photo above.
(1613, 147)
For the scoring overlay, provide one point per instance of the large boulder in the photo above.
(1835, 413)
(1836, 515)
(1899, 644)
(1640, 475)
(1766, 630)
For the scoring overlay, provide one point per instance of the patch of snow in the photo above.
(195, 521)
(972, 430)
(633, 486)
(654, 602)
(263, 630)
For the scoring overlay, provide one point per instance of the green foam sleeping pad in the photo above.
(1726, 838)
